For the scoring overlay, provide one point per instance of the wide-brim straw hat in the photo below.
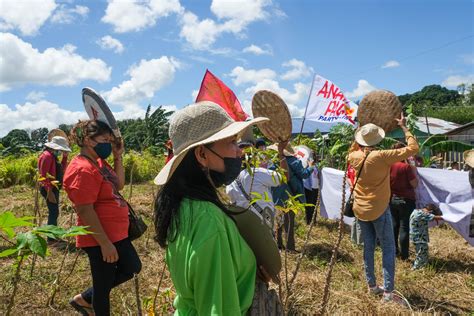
(369, 135)
(58, 143)
(268, 104)
(380, 107)
(288, 151)
(199, 124)
(469, 157)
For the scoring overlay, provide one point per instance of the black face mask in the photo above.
(231, 172)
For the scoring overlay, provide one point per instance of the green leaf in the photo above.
(37, 244)
(50, 231)
(8, 252)
(76, 231)
(21, 240)
(8, 221)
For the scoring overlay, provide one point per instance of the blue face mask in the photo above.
(103, 150)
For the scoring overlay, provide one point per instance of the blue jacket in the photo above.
(295, 186)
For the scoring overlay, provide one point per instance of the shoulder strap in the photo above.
(241, 187)
(358, 175)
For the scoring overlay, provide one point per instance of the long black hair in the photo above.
(188, 181)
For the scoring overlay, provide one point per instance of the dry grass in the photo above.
(445, 287)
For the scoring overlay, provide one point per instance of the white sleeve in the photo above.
(267, 177)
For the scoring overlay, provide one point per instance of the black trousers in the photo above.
(53, 208)
(311, 198)
(106, 276)
(401, 209)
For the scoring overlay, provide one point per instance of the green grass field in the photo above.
(445, 287)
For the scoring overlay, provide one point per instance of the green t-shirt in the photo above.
(212, 267)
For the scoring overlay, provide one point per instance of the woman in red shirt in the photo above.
(51, 170)
(403, 182)
(93, 187)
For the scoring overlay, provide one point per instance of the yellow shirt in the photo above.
(372, 192)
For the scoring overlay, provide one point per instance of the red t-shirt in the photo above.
(47, 165)
(400, 176)
(85, 184)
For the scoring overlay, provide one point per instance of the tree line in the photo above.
(151, 132)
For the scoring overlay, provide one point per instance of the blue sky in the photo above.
(156, 51)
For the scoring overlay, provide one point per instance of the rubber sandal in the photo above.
(84, 310)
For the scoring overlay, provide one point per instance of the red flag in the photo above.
(213, 89)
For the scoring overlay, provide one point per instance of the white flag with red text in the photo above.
(327, 103)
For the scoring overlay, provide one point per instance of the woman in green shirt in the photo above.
(212, 267)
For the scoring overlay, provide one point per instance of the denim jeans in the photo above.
(380, 229)
(106, 276)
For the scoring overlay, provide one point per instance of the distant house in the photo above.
(464, 133)
(423, 131)
(309, 127)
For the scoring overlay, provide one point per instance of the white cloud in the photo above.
(21, 63)
(363, 87)
(292, 99)
(35, 96)
(65, 15)
(241, 75)
(146, 78)
(454, 81)
(35, 115)
(241, 10)
(234, 16)
(32, 115)
(391, 64)
(108, 42)
(26, 16)
(468, 59)
(194, 95)
(298, 70)
(135, 15)
(200, 34)
(254, 49)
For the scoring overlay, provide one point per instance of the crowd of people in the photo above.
(213, 269)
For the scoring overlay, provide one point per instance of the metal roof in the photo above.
(437, 126)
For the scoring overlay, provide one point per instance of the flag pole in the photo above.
(306, 109)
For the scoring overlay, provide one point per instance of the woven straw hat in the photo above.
(469, 157)
(381, 108)
(369, 135)
(199, 124)
(58, 143)
(268, 104)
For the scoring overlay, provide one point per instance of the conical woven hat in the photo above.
(268, 104)
(56, 132)
(380, 107)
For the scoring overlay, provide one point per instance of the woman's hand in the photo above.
(263, 275)
(402, 122)
(109, 253)
(51, 198)
(118, 147)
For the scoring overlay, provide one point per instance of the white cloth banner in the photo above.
(449, 189)
(328, 104)
(331, 194)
